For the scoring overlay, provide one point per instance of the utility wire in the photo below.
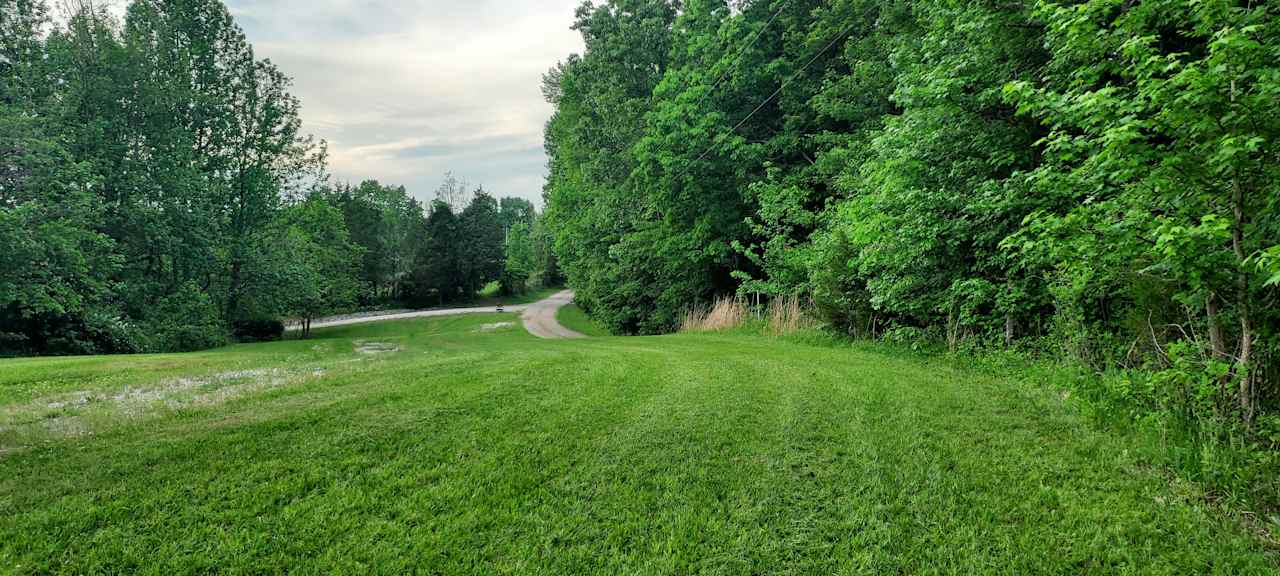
(784, 85)
(738, 58)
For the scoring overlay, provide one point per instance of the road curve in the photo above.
(540, 317)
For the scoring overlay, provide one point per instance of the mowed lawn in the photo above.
(465, 446)
(575, 319)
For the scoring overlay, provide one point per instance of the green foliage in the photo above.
(546, 268)
(157, 159)
(146, 162)
(1164, 161)
(56, 264)
(263, 330)
(319, 275)
(1268, 263)
(185, 321)
(385, 221)
(436, 277)
(1095, 179)
(525, 261)
(515, 211)
(606, 231)
(520, 259)
(480, 244)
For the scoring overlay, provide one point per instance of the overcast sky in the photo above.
(406, 90)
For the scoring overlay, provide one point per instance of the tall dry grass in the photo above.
(782, 316)
(726, 314)
(788, 315)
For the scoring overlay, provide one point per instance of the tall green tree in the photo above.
(520, 259)
(385, 221)
(150, 158)
(54, 293)
(195, 140)
(934, 198)
(515, 211)
(321, 273)
(437, 276)
(603, 227)
(1099, 175)
(481, 244)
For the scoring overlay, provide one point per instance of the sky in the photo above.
(406, 90)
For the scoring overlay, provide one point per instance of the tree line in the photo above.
(157, 194)
(1096, 179)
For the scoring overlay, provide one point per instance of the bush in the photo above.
(186, 321)
(259, 330)
(111, 334)
(94, 332)
(913, 337)
(513, 283)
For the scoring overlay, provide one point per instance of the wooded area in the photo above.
(156, 194)
(1092, 180)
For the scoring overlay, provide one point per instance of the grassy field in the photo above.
(573, 318)
(464, 446)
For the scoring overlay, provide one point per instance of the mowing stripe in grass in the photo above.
(495, 453)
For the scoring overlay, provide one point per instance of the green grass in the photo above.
(477, 449)
(573, 318)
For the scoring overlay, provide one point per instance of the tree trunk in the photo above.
(1244, 370)
(1218, 344)
(1217, 341)
(1246, 359)
(233, 291)
(953, 331)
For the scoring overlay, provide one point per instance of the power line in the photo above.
(784, 85)
(738, 57)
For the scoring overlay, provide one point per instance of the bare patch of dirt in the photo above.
(496, 327)
(371, 347)
(75, 414)
(77, 400)
(66, 426)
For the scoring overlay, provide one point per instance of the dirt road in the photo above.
(540, 317)
(345, 321)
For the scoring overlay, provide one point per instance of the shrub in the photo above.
(111, 334)
(185, 321)
(258, 330)
(513, 283)
(93, 332)
(915, 338)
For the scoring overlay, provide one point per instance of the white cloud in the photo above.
(404, 91)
